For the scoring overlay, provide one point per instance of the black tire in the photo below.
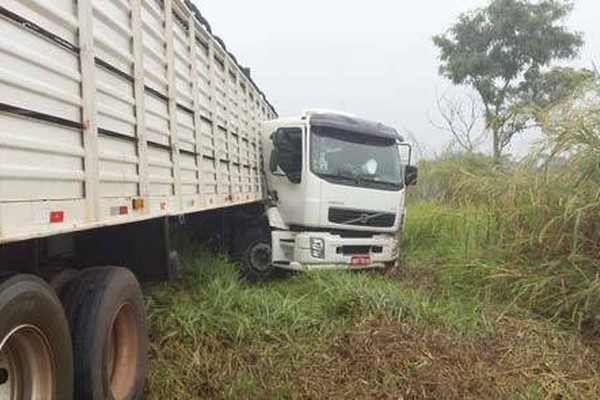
(252, 254)
(106, 313)
(59, 278)
(34, 340)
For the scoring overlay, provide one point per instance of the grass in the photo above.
(522, 235)
(340, 335)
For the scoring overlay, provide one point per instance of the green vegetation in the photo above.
(348, 334)
(529, 230)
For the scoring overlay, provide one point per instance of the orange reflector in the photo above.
(57, 217)
(137, 204)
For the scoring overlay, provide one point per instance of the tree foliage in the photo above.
(505, 52)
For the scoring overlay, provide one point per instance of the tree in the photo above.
(505, 52)
(462, 118)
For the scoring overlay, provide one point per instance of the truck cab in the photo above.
(336, 187)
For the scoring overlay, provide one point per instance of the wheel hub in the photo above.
(260, 257)
(122, 352)
(26, 365)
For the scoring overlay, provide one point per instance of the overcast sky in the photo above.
(372, 58)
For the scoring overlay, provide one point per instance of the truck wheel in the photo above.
(36, 359)
(105, 310)
(253, 255)
(59, 278)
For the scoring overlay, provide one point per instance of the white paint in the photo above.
(46, 166)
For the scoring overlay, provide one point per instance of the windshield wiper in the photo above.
(362, 178)
(358, 180)
(395, 184)
(340, 177)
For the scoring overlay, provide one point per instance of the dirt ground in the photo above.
(385, 360)
(410, 362)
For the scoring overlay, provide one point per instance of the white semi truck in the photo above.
(123, 119)
(335, 185)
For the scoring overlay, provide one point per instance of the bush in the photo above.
(537, 220)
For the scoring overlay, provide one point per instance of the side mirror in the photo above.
(411, 175)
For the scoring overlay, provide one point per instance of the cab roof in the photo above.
(348, 122)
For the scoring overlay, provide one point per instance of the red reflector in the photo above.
(57, 216)
(123, 210)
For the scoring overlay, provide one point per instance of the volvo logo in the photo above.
(364, 218)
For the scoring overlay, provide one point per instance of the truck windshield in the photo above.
(353, 159)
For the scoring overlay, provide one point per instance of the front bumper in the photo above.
(326, 251)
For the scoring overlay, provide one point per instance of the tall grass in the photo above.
(531, 228)
(213, 301)
(214, 335)
(349, 335)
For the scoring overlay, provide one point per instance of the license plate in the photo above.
(360, 259)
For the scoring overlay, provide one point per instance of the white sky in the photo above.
(372, 58)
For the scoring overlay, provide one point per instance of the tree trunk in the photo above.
(497, 150)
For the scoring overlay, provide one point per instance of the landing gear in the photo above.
(36, 359)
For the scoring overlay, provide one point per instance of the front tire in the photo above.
(36, 359)
(106, 312)
(253, 255)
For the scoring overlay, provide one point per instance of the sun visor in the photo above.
(353, 124)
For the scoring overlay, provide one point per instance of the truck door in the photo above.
(286, 165)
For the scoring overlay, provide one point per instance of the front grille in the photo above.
(352, 250)
(361, 218)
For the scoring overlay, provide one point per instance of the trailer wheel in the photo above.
(253, 255)
(105, 309)
(36, 359)
(59, 278)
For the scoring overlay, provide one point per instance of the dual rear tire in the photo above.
(36, 359)
(106, 314)
(93, 346)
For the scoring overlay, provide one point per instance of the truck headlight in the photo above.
(317, 248)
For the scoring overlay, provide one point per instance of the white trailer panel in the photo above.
(141, 113)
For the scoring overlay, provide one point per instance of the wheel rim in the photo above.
(260, 257)
(26, 365)
(122, 352)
